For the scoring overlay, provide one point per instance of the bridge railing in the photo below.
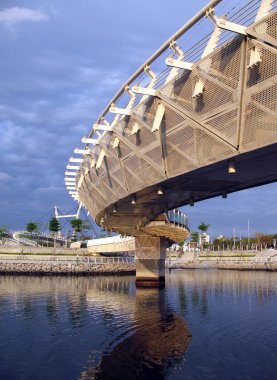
(36, 236)
(257, 260)
(76, 260)
(190, 41)
(178, 217)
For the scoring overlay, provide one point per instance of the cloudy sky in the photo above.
(61, 62)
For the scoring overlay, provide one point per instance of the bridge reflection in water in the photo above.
(159, 339)
(81, 327)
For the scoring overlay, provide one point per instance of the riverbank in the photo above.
(265, 265)
(86, 265)
(56, 268)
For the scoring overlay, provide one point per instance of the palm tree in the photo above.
(203, 227)
(194, 240)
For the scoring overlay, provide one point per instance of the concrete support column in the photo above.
(150, 261)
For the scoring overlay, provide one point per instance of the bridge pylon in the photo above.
(150, 262)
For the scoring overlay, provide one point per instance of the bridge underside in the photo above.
(252, 169)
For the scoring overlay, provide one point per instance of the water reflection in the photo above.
(158, 340)
(102, 328)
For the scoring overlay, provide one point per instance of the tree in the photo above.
(3, 234)
(194, 238)
(203, 227)
(79, 225)
(54, 227)
(76, 225)
(31, 227)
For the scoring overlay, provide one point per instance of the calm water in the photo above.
(204, 325)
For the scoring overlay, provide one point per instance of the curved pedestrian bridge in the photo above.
(197, 120)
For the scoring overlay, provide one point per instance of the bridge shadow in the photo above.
(160, 339)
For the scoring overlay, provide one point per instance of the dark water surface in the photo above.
(204, 325)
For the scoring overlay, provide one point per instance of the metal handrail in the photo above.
(66, 260)
(158, 52)
(228, 259)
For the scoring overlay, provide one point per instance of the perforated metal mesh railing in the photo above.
(178, 217)
(233, 112)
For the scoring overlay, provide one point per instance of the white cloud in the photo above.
(4, 177)
(15, 15)
(49, 189)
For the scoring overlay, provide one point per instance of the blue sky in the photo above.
(61, 62)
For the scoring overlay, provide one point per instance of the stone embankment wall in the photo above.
(66, 268)
(240, 265)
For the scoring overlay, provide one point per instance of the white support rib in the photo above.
(150, 73)
(132, 99)
(73, 174)
(255, 57)
(153, 77)
(173, 45)
(71, 187)
(158, 117)
(206, 64)
(92, 163)
(102, 127)
(264, 9)
(70, 183)
(68, 179)
(199, 88)
(87, 140)
(120, 111)
(72, 159)
(213, 41)
(80, 182)
(100, 158)
(144, 90)
(178, 63)
(78, 211)
(72, 167)
(135, 129)
(116, 142)
(72, 192)
(255, 52)
(105, 126)
(81, 151)
(227, 25)
(67, 216)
